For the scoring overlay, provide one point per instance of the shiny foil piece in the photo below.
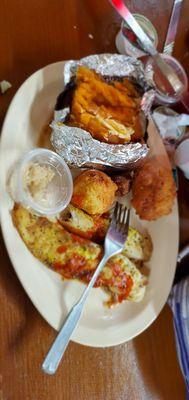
(147, 101)
(112, 66)
(79, 149)
(109, 65)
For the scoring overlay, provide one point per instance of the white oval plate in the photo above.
(99, 326)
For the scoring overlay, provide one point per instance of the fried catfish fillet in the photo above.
(121, 279)
(53, 245)
(109, 111)
(74, 257)
(138, 246)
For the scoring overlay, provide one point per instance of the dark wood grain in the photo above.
(32, 34)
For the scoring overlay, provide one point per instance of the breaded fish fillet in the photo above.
(138, 246)
(74, 257)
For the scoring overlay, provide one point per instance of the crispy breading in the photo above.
(153, 190)
(93, 192)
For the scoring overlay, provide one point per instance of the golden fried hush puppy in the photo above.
(94, 192)
(153, 190)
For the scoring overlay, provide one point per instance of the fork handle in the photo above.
(58, 348)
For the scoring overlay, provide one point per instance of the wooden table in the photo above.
(33, 34)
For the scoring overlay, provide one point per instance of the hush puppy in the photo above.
(153, 190)
(94, 192)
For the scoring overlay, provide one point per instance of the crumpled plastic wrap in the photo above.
(77, 146)
(170, 124)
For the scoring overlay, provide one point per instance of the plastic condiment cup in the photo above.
(162, 95)
(59, 189)
(127, 42)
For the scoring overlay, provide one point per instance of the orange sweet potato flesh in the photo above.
(110, 112)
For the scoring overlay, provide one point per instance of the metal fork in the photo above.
(114, 244)
(173, 26)
(166, 70)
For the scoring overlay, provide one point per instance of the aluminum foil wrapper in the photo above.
(116, 66)
(76, 145)
(147, 101)
(109, 65)
(149, 75)
(79, 149)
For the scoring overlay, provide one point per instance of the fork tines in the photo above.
(121, 217)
